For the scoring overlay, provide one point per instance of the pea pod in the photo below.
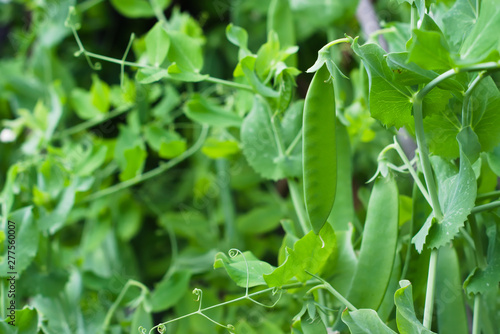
(319, 149)
(378, 246)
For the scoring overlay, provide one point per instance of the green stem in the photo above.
(230, 84)
(335, 42)
(476, 327)
(152, 173)
(245, 297)
(294, 143)
(489, 195)
(431, 285)
(298, 204)
(93, 122)
(160, 16)
(112, 309)
(226, 200)
(466, 110)
(416, 179)
(478, 243)
(485, 207)
(327, 286)
(414, 18)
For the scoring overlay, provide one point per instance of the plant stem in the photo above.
(429, 295)
(466, 110)
(489, 195)
(416, 179)
(93, 122)
(298, 204)
(478, 243)
(294, 143)
(112, 309)
(476, 327)
(230, 84)
(485, 207)
(152, 173)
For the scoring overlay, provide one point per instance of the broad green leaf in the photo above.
(409, 74)
(405, 314)
(258, 141)
(100, 94)
(310, 253)
(204, 111)
(128, 216)
(389, 102)
(436, 101)
(458, 23)
(127, 139)
(365, 321)
(245, 270)
(248, 66)
(239, 37)
(172, 146)
(313, 326)
(470, 143)
(82, 104)
(260, 220)
(485, 116)
(457, 195)
(481, 41)
(138, 8)
(378, 246)
(25, 244)
(134, 162)
(449, 301)
(319, 149)
(170, 290)
(185, 51)
(486, 280)
(189, 224)
(55, 219)
(150, 75)
(24, 321)
(177, 73)
(93, 159)
(157, 44)
(141, 318)
(267, 55)
(494, 160)
(428, 50)
(215, 148)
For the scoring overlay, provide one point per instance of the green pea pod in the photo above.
(449, 300)
(378, 246)
(319, 149)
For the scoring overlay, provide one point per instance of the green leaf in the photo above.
(204, 111)
(481, 42)
(485, 116)
(239, 37)
(150, 75)
(365, 321)
(172, 146)
(457, 195)
(141, 318)
(486, 280)
(93, 159)
(313, 326)
(134, 162)
(258, 142)
(378, 246)
(310, 253)
(470, 143)
(185, 51)
(248, 66)
(25, 244)
(215, 148)
(449, 301)
(170, 290)
(260, 220)
(494, 160)
(25, 322)
(82, 104)
(280, 20)
(100, 94)
(428, 50)
(458, 23)
(405, 315)
(138, 8)
(157, 44)
(244, 269)
(177, 73)
(389, 102)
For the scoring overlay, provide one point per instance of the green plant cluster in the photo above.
(200, 167)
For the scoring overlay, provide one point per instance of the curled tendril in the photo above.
(142, 330)
(276, 290)
(231, 328)
(233, 252)
(198, 293)
(161, 329)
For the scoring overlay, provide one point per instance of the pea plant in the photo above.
(216, 175)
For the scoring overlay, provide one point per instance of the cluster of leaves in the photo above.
(129, 184)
